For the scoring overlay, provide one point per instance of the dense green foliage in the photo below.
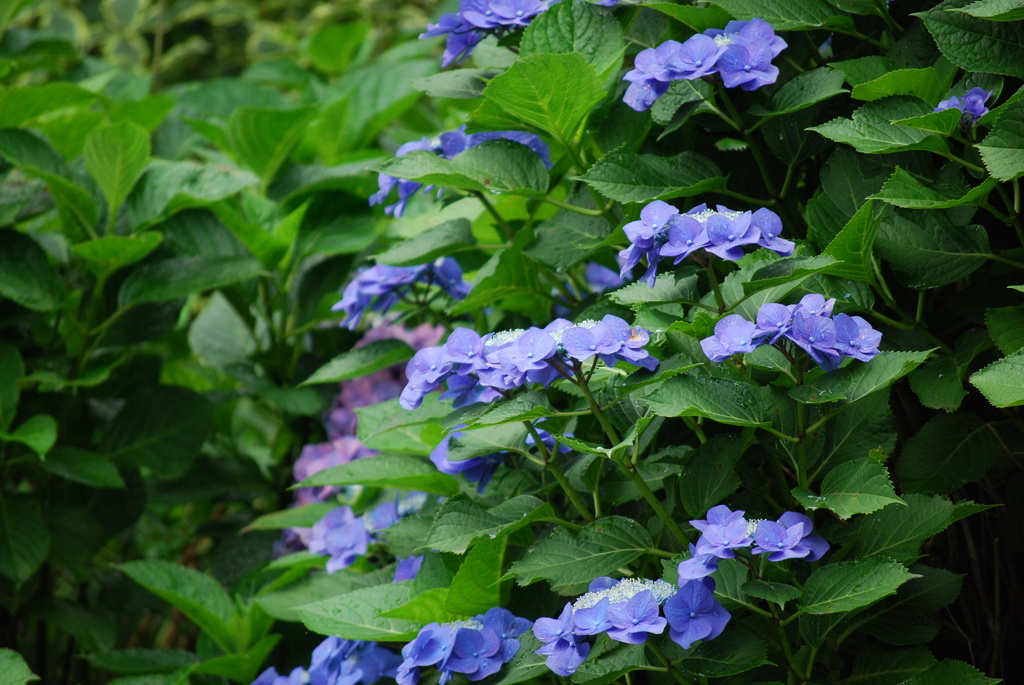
(183, 196)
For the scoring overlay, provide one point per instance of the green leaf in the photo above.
(921, 83)
(846, 179)
(860, 379)
(428, 606)
(875, 666)
(783, 15)
(856, 487)
(853, 244)
(534, 91)
(697, 18)
(946, 672)
(24, 540)
(944, 122)
(528, 407)
(283, 604)
(837, 588)
(629, 177)
(733, 652)
(908, 617)
(667, 288)
(439, 241)
(23, 104)
(476, 585)
(864, 69)
(26, 275)
(361, 361)
(939, 383)
(388, 426)
(927, 250)
(975, 44)
(1002, 382)
(576, 27)
(871, 130)
(459, 521)
(802, 91)
(36, 158)
(947, 453)
(196, 594)
(611, 664)
(262, 138)
(167, 440)
(12, 369)
(778, 593)
(13, 669)
(142, 661)
(1006, 327)
(115, 157)
(1002, 150)
(386, 470)
(718, 399)
(903, 190)
(241, 667)
(170, 279)
(357, 615)
(516, 277)
(83, 466)
(457, 83)
(108, 254)
(502, 166)
(292, 517)
(476, 442)
(332, 47)
(994, 10)
(898, 532)
(38, 433)
(168, 187)
(787, 270)
(599, 549)
(711, 476)
(525, 665)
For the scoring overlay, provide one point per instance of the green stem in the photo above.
(784, 640)
(502, 224)
(574, 208)
(963, 162)
(551, 466)
(756, 201)
(697, 429)
(1009, 262)
(679, 677)
(560, 522)
(811, 654)
(713, 279)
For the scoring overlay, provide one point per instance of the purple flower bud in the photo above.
(856, 338)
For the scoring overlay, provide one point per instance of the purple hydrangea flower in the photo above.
(270, 677)
(693, 614)
(477, 653)
(589, 339)
(733, 335)
(698, 565)
(647, 235)
(632, 621)
(341, 536)
(729, 231)
(723, 531)
(408, 568)
(856, 338)
(592, 620)
(791, 537)
(972, 104)
(817, 336)
(508, 627)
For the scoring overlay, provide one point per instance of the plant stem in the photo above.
(551, 466)
(502, 224)
(679, 677)
(713, 279)
(574, 208)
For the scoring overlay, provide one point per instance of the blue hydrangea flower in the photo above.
(698, 565)
(632, 621)
(476, 647)
(733, 335)
(722, 532)
(693, 614)
(791, 537)
(972, 104)
(408, 568)
(341, 536)
(380, 287)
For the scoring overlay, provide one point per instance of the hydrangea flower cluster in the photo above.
(662, 231)
(481, 469)
(628, 611)
(809, 324)
(481, 368)
(447, 146)
(741, 54)
(792, 536)
(339, 662)
(344, 537)
(381, 286)
(972, 104)
(477, 647)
